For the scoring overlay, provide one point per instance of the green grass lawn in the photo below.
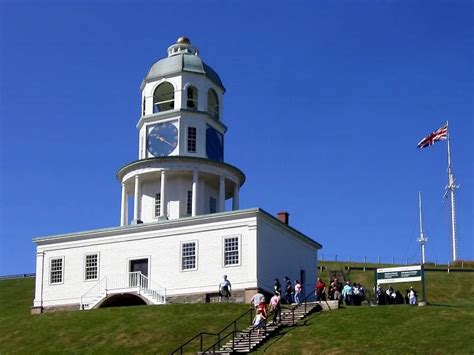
(445, 327)
(138, 330)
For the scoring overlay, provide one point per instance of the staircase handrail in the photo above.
(148, 285)
(234, 322)
(249, 332)
(94, 292)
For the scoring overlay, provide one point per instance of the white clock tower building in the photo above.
(180, 169)
(180, 240)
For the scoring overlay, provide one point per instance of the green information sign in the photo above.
(399, 274)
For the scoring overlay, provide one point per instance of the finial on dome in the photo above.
(183, 40)
(182, 46)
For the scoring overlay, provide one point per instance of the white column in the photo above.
(124, 208)
(38, 302)
(221, 194)
(136, 204)
(163, 194)
(195, 193)
(235, 199)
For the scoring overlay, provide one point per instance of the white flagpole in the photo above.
(422, 238)
(451, 187)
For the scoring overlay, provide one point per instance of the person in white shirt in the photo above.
(224, 288)
(412, 296)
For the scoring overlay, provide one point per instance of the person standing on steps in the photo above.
(259, 321)
(275, 307)
(224, 289)
(298, 292)
(257, 299)
(277, 287)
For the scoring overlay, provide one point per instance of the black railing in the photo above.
(242, 333)
(219, 336)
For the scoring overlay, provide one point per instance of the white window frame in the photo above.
(62, 258)
(157, 205)
(189, 202)
(188, 139)
(196, 253)
(97, 266)
(239, 244)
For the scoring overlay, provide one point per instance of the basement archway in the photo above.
(122, 300)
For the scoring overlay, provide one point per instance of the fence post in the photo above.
(436, 263)
(379, 259)
(393, 260)
(448, 267)
(335, 259)
(322, 256)
(462, 264)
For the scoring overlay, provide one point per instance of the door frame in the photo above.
(129, 263)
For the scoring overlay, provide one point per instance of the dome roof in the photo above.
(182, 57)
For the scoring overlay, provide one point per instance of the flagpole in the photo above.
(422, 238)
(451, 187)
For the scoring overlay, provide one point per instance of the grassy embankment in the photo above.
(443, 327)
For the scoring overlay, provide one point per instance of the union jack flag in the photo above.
(439, 135)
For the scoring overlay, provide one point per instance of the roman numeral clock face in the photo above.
(162, 139)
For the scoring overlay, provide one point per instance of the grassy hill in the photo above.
(443, 327)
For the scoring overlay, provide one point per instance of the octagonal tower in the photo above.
(180, 171)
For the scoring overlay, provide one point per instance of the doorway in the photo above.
(138, 265)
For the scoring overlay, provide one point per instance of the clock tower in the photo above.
(180, 171)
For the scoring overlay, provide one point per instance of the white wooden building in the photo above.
(180, 240)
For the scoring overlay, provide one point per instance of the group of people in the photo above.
(351, 293)
(289, 294)
(392, 296)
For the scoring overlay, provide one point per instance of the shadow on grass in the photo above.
(279, 334)
(443, 305)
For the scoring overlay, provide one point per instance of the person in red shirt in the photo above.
(320, 290)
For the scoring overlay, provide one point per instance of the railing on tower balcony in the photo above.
(132, 281)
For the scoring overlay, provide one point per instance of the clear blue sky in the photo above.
(325, 103)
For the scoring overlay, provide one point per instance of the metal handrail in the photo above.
(252, 329)
(219, 335)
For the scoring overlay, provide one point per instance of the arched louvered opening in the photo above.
(163, 97)
(192, 101)
(213, 104)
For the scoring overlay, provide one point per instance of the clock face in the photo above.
(162, 139)
(214, 144)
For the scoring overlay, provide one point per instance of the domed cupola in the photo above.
(180, 170)
(182, 57)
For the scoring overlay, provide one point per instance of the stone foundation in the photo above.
(58, 308)
(238, 296)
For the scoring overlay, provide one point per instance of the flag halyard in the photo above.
(438, 135)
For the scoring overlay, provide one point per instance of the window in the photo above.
(163, 97)
(231, 251)
(189, 203)
(212, 205)
(157, 204)
(213, 104)
(192, 139)
(143, 106)
(188, 256)
(192, 101)
(92, 267)
(56, 268)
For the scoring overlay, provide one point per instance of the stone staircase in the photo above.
(247, 340)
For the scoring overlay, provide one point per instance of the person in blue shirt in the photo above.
(347, 293)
